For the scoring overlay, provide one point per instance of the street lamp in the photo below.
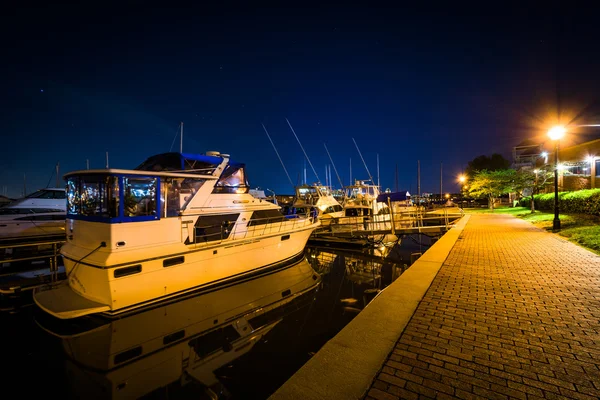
(556, 133)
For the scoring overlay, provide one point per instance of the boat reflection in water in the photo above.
(176, 348)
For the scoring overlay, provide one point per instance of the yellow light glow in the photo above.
(557, 132)
(462, 178)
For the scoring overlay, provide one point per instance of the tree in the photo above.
(492, 184)
(494, 163)
(534, 180)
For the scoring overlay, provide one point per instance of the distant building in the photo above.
(579, 164)
(526, 154)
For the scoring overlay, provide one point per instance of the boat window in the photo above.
(332, 209)
(232, 180)
(214, 227)
(262, 217)
(139, 196)
(93, 195)
(134, 269)
(176, 193)
(47, 194)
(307, 193)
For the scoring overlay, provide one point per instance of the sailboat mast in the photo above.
(363, 160)
(305, 182)
(396, 188)
(441, 177)
(278, 156)
(305, 155)
(336, 173)
(378, 171)
(350, 171)
(419, 178)
(57, 168)
(107, 160)
(181, 139)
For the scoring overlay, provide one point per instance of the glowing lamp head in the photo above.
(462, 178)
(557, 132)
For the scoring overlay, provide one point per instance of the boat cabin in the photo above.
(160, 187)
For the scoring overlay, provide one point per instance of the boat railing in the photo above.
(265, 226)
(22, 257)
(409, 218)
(253, 228)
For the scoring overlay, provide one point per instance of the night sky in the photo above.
(435, 86)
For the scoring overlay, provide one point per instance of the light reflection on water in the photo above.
(239, 342)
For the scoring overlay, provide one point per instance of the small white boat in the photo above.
(40, 213)
(179, 344)
(318, 198)
(178, 223)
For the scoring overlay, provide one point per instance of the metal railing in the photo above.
(19, 257)
(255, 227)
(407, 220)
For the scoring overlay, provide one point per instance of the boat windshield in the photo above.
(307, 193)
(232, 180)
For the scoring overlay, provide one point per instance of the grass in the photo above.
(581, 229)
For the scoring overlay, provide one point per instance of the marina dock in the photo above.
(497, 308)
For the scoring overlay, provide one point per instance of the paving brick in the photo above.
(512, 313)
(375, 393)
(391, 379)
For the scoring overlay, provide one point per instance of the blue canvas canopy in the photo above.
(395, 196)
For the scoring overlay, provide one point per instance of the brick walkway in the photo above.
(514, 312)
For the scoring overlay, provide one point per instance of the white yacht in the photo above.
(361, 210)
(178, 223)
(40, 213)
(319, 198)
(181, 344)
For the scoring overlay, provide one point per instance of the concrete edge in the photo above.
(345, 366)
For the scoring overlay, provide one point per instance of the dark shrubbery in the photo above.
(578, 202)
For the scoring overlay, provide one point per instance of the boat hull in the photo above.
(119, 289)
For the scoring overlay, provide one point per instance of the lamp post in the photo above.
(556, 133)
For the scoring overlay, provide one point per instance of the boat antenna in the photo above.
(57, 169)
(307, 159)
(363, 160)
(276, 152)
(181, 139)
(378, 170)
(336, 173)
(107, 160)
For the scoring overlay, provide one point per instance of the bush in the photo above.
(578, 202)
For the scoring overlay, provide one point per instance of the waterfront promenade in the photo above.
(496, 309)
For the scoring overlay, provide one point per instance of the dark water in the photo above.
(167, 353)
